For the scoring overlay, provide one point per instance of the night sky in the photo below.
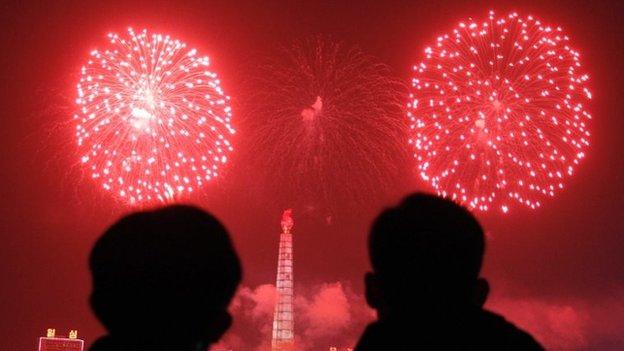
(557, 271)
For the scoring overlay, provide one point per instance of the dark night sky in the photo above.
(568, 254)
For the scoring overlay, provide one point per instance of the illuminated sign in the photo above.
(53, 343)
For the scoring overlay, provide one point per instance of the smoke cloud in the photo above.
(327, 314)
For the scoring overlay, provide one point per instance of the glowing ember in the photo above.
(498, 112)
(152, 121)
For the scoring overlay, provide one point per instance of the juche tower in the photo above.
(283, 323)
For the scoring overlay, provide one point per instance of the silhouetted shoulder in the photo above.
(504, 335)
(483, 331)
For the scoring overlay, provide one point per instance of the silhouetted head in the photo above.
(165, 277)
(426, 254)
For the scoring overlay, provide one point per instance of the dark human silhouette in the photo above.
(163, 280)
(426, 255)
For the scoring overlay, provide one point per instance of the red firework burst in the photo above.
(152, 120)
(498, 112)
(325, 124)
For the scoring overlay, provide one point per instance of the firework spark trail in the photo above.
(325, 123)
(497, 112)
(152, 121)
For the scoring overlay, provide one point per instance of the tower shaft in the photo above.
(283, 317)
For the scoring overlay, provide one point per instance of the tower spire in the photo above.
(283, 321)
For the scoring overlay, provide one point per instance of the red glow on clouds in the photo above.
(498, 112)
(152, 121)
(325, 315)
